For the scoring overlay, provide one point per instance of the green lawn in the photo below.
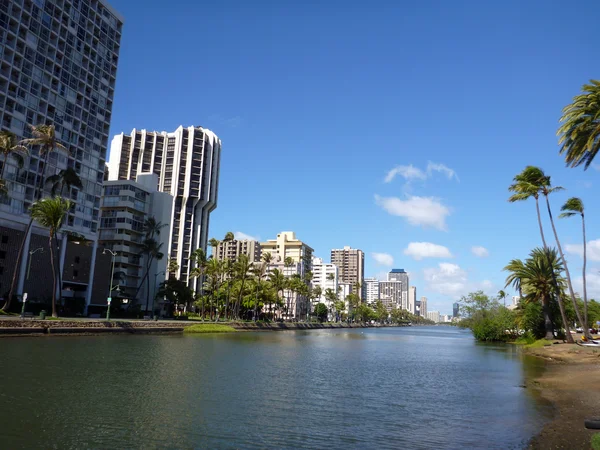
(208, 328)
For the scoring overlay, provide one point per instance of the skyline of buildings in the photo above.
(351, 265)
(233, 249)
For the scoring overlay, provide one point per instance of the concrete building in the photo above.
(434, 316)
(424, 311)
(58, 65)
(325, 276)
(372, 290)
(233, 249)
(455, 310)
(126, 205)
(351, 266)
(285, 246)
(400, 275)
(412, 300)
(390, 294)
(187, 164)
(344, 290)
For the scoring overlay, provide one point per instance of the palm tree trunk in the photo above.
(147, 294)
(569, 284)
(537, 208)
(585, 302)
(54, 314)
(227, 299)
(239, 302)
(58, 260)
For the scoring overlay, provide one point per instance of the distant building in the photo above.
(434, 316)
(423, 311)
(372, 289)
(344, 290)
(124, 208)
(351, 266)
(325, 276)
(233, 249)
(390, 294)
(400, 275)
(412, 300)
(455, 310)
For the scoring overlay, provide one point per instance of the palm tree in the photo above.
(242, 269)
(536, 278)
(228, 271)
(11, 149)
(50, 213)
(277, 279)
(229, 236)
(198, 259)
(44, 137)
(574, 206)
(502, 295)
(580, 129)
(152, 227)
(259, 270)
(532, 182)
(152, 249)
(65, 178)
(214, 270)
(214, 243)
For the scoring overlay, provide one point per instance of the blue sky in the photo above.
(316, 102)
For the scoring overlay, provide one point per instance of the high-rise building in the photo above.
(434, 316)
(291, 256)
(325, 276)
(372, 290)
(390, 294)
(233, 249)
(187, 164)
(400, 275)
(126, 205)
(58, 65)
(412, 300)
(351, 266)
(455, 309)
(423, 311)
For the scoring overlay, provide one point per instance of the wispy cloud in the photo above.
(243, 236)
(383, 259)
(434, 167)
(419, 211)
(593, 250)
(412, 173)
(421, 250)
(450, 279)
(480, 251)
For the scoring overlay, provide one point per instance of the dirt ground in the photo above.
(572, 384)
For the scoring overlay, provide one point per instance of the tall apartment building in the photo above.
(286, 245)
(401, 276)
(390, 294)
(351, 266)
(423, 312)
(126, 205)
(233, 249)
(58, 65)
(372, 290)
(412, 300)
(187, 164)
(434, 316)
(325, 276)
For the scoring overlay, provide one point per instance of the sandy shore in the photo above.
(571, 383)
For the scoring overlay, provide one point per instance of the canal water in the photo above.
(390, 388)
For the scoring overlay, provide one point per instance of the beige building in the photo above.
(351, 266)
(423, 311)
(233, 249)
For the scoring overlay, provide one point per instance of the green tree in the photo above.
(44, 138)
(579, 134)
(321, 312)
(572, 207)
(11, 149)
(242, 271)
(50, 213)
(487, 319)
(278, 281)
(502, 295)
(176, 292)
(66, 178)
(199, 261)
(381, 311)
(229, 236)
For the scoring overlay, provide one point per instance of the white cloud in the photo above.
(592, 278)
(424, 211)
(450, 279)
(407, 172)
(593, 250)
(420, 250)
(433, 167)
(243, 236)
(480, 251)
(381, 276)
(383, 259)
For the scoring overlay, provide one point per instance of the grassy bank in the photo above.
(208, 328)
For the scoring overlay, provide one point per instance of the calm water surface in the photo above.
(403, 388)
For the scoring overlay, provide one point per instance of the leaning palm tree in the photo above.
(502, 295)
(574, 206)
(536, 278)
(524, 187)
(199, 261)
(44, 137)
(50, 213)
(229, 236)
(66, 178)
(242, 272)
(152, 250)
(277, 279)
(152, 227)
(580, 129)
(11, 149)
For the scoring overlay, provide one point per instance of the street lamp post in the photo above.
(29, 264)
(155, 276)
(111, 287)
(23, 307)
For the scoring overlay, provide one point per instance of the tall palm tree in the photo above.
(11, 149)
(152, 227)
(214, 243)
(66, 178)
(214, 269)
(536, 278)
(242, 269)
(229, 236)
(502, 295)
(199, 261)
(44, 137)
(50, 213)
(228, 270)
(574, 206)
(259, 270)
(152, 249)
(277, 279)
(580, 129)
